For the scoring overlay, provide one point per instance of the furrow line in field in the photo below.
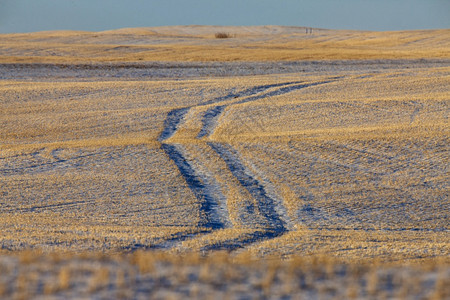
(54, 207)
(45, 166)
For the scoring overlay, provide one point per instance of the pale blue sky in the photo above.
(96, 15)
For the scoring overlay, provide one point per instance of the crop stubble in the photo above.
(127, 140)
(268, 144)
(225, 163)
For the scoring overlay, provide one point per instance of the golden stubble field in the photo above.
(324, 151)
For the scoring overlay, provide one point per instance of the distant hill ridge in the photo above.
(241, 43)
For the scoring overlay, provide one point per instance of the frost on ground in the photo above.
(227, 162)
(344, 157)
(161, 276)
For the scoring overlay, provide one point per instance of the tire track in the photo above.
(268, 212)
(284, 89)
(175, 240)
(212, 115)
(171, 122)
(266, 205)
(174, 117)
(209, 120)
(246, 239)
(209, 208)
(248, 92)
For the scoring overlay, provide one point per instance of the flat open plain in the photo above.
(271, 143)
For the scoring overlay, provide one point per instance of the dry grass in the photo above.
(344, 162)
(161, 275)
(352, 154)
(255, 45)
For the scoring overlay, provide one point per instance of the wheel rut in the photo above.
(173, 118)
(211, 116)
(210, 217)
(251, 206)
(265, 204)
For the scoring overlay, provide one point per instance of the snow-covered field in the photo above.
(336, 156)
